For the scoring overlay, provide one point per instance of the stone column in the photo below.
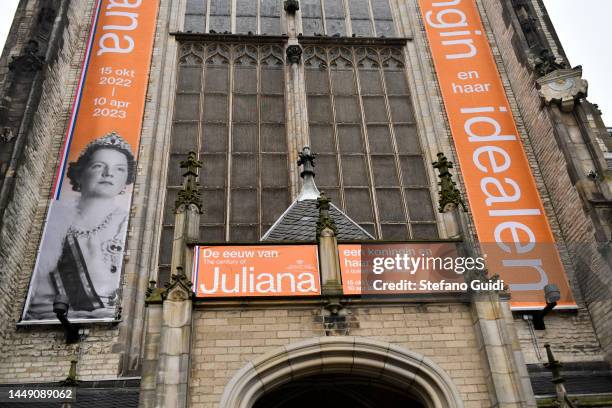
(328, 250)
(297, 122)
(175, 344)
(498, 342)
(153, 323)
(174, 317)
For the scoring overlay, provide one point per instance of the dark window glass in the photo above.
(214, 138)
(244, 138)
(273, 138)
(184, 137)
(370, 82)
(274, 170)
(374, 155)
(326, 170)
(187, 107)
(213, 206)
(215, 108)
(418, 211)
(413, 171)
(175, 175)
(243, 206)
(195, 23)
(394, 232)
(316, 82)
(196, 6)
(390, 205)
(424, 231)
(359, 9)
(311, 17)
(380, 139)
(349, 139)
(407, 139)
(322, 139)
(216, 80)
(358, 204)
(255, 139)
(244, 170)
(214, 170)
(354, 171)
(343, 82)
(362, 28)
(274, 202)
(396, 82)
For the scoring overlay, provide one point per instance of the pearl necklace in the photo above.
(92, 231)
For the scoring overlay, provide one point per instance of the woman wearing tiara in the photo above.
(83, 245)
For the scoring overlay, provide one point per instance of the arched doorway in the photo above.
(353, 364)
(338, 390)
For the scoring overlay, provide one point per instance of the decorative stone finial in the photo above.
(294, 54)
(29, 60)
(71, 380)
(563, 87)
(179, 287)
(153, 294)
(546, 62)
(450, 197)
(309, 188)
(190, 193)
(325, 221)
(306, 159)
(291, 6)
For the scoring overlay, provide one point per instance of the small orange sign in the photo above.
(256, 270)
(510, 220)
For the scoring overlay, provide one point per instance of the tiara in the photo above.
(110, 140)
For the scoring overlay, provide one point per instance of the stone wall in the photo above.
(572, 336)
(225, 340)
(40, 354)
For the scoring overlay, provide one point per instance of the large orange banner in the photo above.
(81, 253)
(510, 221)
(256, 270)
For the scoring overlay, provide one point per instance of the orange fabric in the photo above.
(510, 220)
(256, 270)
(115, 76)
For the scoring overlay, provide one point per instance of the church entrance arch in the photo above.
(342, 369)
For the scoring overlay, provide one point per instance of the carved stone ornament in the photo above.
(325, 221)
(153, 294)
(563, 87)
(294, 54)
(449, 196)
(291, 6)
(179, 287)
(190, 193)
(29, 61)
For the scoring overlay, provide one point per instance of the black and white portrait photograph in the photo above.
(83, 245)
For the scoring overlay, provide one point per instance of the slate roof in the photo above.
(89, 394)
(580, 378)
(299, 223)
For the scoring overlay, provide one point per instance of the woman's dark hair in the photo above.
(111, 141)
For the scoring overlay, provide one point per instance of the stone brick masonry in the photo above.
(225, 340)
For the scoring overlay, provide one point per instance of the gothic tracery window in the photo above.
(346, 18)
(230, 107)
(361, 124)
(237, 16)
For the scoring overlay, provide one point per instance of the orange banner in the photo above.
(414, 268)
(256, 270)
(80, 257)
(510, 220)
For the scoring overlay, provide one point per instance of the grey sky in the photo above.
(582, 25)
(584, 29)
